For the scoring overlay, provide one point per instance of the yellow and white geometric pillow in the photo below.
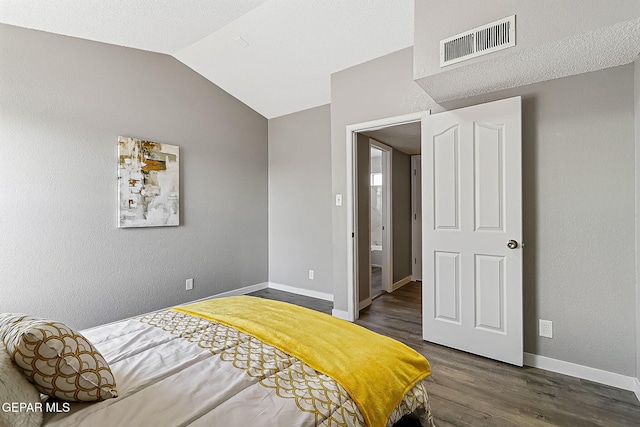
(59, 361)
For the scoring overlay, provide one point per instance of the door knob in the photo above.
(512, 244)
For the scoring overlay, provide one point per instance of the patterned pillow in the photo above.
(56, 359)
(21, 405)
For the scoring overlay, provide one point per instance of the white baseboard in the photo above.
(400, 283)
(300, 291)
(364, 304)
(236, 292)
(241, 291)
(592, 374)
(340, 314)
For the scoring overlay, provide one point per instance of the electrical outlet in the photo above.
(189, 284)
(310, 274)
(545, 328)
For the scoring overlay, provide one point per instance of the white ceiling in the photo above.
(274, 55)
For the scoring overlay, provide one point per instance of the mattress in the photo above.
(177, 369)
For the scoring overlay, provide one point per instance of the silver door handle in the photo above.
(512, 244)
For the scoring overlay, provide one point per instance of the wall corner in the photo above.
(636, 88)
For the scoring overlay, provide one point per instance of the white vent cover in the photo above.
(488, 38)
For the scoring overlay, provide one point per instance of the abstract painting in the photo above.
(148, 180)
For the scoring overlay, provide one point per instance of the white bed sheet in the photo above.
(172, 369)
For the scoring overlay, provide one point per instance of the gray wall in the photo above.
(578, 217)
(578, 189)
(363, 160)
(63, 104)
(384, 88)
(401, 215)
(636, 68)
(538, 22)
(300, 199)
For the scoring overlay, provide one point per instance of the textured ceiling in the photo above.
(582, 53)
(274, 55)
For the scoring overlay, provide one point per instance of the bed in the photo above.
(243, 361)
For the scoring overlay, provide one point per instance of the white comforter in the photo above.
(173, 369)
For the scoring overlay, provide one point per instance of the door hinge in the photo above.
(353, 235)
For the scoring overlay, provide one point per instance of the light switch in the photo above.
(338, 199)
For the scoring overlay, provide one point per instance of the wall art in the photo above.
(148, 179)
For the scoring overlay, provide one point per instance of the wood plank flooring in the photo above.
(468, 390)
(376, 282)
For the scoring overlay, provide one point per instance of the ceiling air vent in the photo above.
(489, 38)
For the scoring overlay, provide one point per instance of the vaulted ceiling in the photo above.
(274, 55)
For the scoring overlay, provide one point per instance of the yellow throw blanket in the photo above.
(376, 371)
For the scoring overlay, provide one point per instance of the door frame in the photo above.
(416, 223)
(352, 220)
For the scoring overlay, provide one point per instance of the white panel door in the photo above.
(472, 229)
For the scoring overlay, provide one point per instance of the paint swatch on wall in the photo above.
(148, 180)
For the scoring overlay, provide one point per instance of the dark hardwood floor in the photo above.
(376, 282)
(468, 390)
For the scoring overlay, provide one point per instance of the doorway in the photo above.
(375, 219)
(380, 261)
(399, 253)
(373, 234)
